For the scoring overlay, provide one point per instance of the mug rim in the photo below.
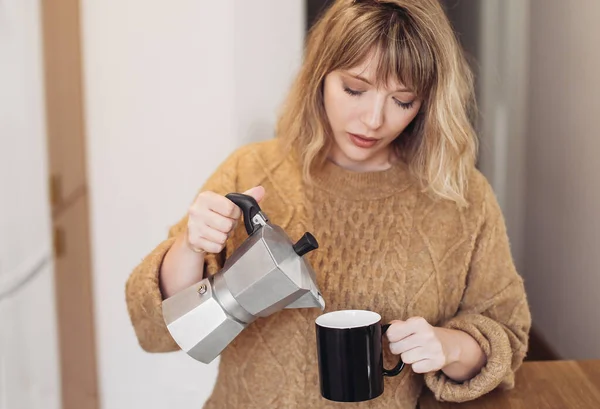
(366, 319)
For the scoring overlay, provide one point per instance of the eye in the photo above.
(404, 105)
(352, 92)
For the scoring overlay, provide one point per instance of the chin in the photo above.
(356, 154)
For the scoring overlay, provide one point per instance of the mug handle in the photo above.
(398, 368)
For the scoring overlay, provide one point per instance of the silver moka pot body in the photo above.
(266, 274)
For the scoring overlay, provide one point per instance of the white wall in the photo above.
(495, 36)
(268, 40)
(562, 228)
(503, 78)
(171, 89)
(29, 365)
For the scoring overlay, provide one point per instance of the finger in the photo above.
(219, 222)
(257, 192)
(208, 233)
(404, 345)
(424, 366)
(399, 330)
(414, 355)
(199, 243)
(235, 223)
(402, 329)
(223, 206)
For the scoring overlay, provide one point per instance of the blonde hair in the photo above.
(415, 45)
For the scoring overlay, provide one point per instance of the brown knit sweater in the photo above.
(384, 246)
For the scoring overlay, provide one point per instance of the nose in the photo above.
(373, 116)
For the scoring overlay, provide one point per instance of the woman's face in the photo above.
(366, 119)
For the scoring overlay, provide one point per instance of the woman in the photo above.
(375, 156)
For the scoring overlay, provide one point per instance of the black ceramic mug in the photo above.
(350, 355)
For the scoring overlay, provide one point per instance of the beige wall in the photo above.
(171, 89)
(562, 229)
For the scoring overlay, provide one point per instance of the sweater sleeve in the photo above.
(142, 292)
(493, 310)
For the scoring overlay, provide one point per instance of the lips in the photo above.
(362, 141)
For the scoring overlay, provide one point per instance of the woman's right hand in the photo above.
(212, 218)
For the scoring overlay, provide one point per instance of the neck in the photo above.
(379, 162)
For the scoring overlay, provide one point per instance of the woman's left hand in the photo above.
(421, 345)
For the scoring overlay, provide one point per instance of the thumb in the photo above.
(257, 192)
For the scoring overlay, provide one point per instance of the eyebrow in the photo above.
(363, 79)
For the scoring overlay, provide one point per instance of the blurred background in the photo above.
(113, 113)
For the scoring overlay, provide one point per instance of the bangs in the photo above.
(388, 35)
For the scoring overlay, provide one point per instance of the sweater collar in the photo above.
(353, 185)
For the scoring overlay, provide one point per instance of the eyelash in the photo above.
(403, 105)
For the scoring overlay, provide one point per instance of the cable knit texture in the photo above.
(384, 246)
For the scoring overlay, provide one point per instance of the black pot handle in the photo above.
(250, 209)
(399, 366)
